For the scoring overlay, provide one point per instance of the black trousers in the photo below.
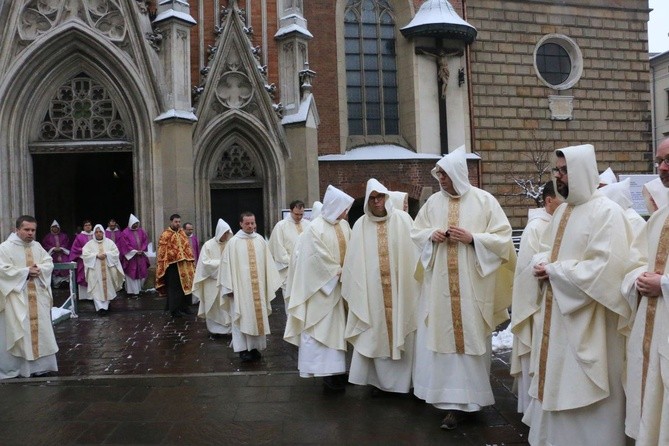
(176, 299)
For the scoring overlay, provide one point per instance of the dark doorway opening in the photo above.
(229, 203)
(73, 187)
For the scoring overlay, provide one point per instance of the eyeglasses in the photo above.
(379, 197)
(660, 161)
(561, 170)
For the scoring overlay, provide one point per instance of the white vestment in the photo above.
(282, 242)
(247, 271)
(315, 309)
(205, 284)
(457, 314)
(104, 276)
(647, 417)
(578, 350)
(621, 194)
(382, 295)
(25, 348)
(525, 303)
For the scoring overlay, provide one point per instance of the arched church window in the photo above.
(236, 164)
(82, 109)
(371, 68)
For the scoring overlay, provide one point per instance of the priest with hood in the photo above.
(133, 246)
(248, 280)
(578, 344)
(315, 309)
(466, 266)
(526, 293)
(27, 342)
(381, 292)
(85, 236)
(104, 273)
(621, 194)
(205, 283)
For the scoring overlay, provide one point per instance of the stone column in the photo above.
(174, 151)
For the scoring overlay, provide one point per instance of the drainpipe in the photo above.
(470, 94)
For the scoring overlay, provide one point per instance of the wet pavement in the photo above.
(138, 376)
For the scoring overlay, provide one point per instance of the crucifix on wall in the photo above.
(441, 56)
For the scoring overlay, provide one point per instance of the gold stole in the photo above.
(255, 287)
(660, 264)
(299, 228)
(341, 240)
(103, 265)
(384, 268)
(32, 305)
(454, 277)
(548, 308)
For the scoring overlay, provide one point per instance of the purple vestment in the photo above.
(195, 246)
(52, 241)
(75, 255)
(138, 265)
(114, 235)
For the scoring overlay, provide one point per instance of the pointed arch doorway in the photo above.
(82, 158)
(237, 187)
(73, 187)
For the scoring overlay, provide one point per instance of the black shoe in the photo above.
(450, 421)
(255, 354)
(176, 314)
(186, 310)
(43, 374)
(246, 356)
(103, 312)
(332, 384)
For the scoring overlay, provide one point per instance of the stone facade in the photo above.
(214, 106)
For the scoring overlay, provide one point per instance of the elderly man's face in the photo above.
(188, 229)
(445, 181)
(377, 204)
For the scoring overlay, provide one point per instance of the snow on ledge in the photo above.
(293, 29)
(172, 14)
(384, 152)
(176, 114)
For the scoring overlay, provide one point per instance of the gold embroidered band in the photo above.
(660, 264)
(454, 277)
(384, 268)
(103, 266)
(255, 287)
(545, 335)
(32, 305)
(342, 243)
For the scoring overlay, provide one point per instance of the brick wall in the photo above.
(510, 103)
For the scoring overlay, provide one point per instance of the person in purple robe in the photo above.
(113, 232)
(133, 246)
(57, 244)
(80, 240)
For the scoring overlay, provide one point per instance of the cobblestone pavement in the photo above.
(137, 376)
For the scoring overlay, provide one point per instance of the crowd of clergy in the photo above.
(417, 300)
